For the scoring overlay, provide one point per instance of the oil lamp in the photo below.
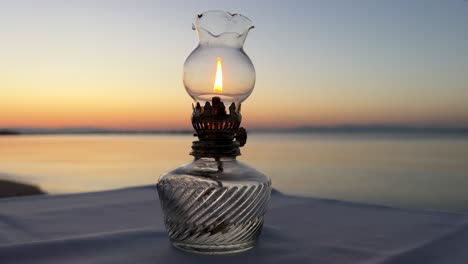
(216, 204)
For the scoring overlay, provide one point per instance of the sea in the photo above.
(407, 171)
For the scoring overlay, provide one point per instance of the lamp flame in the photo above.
(218, 84)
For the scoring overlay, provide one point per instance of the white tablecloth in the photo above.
(125, 226)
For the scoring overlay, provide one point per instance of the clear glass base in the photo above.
(213, 211)
(214, 250)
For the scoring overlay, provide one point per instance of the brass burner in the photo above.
(216, 129)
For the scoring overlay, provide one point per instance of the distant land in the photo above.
(340, 129)
(7, 132)
(84, 131)
(383, 129)
(11, 188)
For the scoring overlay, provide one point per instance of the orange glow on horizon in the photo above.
(218, 84)
(112, 111)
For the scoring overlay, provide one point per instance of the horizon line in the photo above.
(343, 128)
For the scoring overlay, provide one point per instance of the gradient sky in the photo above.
(118, 64)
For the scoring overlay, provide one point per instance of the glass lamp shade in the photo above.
(219, 67)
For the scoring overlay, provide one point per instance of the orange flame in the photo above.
(218, 84)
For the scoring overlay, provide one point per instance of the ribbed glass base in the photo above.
(214, 250)
(213, 211)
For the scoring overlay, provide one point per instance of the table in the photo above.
(125, 226)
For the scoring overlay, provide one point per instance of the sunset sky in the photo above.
(118, 64)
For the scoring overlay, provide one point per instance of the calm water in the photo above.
(422, 172)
